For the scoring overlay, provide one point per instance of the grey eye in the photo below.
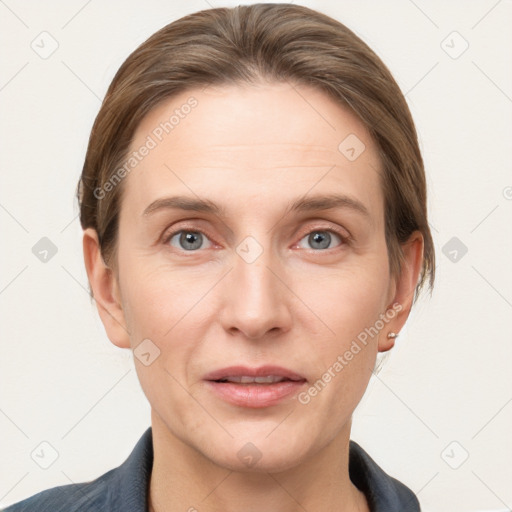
(320, 239)
(188, 240)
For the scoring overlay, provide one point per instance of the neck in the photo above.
(182, 479)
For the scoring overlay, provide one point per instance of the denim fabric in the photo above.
(125, 489)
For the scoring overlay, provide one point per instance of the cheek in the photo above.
(345, 301)
(165, 307)
(158, 296)
(346, 304)
(342, 352)
(173, 308)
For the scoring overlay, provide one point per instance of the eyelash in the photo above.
(345, 239)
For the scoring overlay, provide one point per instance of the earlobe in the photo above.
(105, 291)
(404, 291)
(387, 342)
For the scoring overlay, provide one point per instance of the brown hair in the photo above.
(278, 42)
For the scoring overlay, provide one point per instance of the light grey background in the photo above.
(446, 391)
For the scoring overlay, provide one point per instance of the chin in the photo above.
(272, 463)
(262, 454)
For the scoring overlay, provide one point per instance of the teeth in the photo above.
(244, 379)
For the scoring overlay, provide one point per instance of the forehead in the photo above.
(265, 140)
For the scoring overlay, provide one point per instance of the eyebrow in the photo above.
(303, 204)
(329, 202)
(183, 203)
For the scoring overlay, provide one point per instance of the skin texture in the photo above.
(253, 150)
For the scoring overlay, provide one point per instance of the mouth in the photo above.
(254, 387)
(247, 379)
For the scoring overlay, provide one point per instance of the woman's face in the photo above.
(272, 253)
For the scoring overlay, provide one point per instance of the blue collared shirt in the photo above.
(125, 489)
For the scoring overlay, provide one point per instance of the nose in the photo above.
(256, 301)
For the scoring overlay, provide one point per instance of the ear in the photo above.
(405, 287)
(105, 289)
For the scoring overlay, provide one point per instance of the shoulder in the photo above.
(83, 497)
(383, 492)
(121, 489)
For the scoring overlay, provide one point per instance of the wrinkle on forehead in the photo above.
(236, 137)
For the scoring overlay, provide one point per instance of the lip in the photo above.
(254, 395)
(260, 371)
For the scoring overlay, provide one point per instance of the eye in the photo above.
(321, 239)
(188, 240)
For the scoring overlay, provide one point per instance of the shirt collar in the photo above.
(130, 486)
(129, 490)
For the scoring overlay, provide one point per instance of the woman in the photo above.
(253, 202)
